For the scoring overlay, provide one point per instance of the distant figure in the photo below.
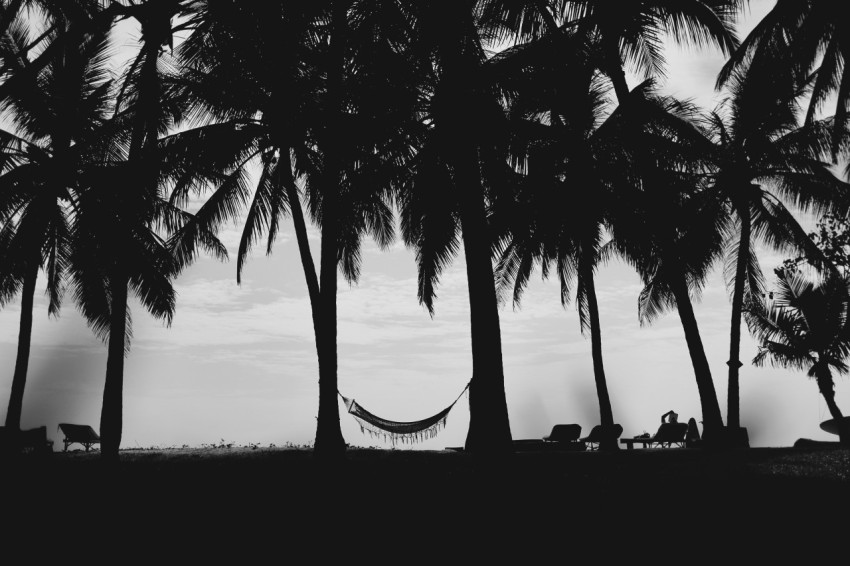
(692, 437)
(669, 417)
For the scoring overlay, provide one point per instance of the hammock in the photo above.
(411, 431)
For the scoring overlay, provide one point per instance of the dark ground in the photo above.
(406, 506)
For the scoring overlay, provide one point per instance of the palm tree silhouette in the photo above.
(579, 149)
(289, 129)
(805, 326)
(53, 113)
(119, 243)
(455, 176)
(763, 159)
(808, 38)
(671, 230)
(632, 33)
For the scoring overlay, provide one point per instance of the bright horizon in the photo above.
(239, 364)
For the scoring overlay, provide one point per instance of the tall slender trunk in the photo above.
(489, 427)
(606, 414)
(615, 71)
(303, 245)
(329, 442)
(325, 341)
(111, 415)
(733, 411)
(19, 379)
(712, 420)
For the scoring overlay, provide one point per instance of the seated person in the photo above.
(669, 417)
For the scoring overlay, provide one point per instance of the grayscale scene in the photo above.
(480, 279)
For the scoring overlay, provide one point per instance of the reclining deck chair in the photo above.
(81, 434)
(669, 434)
(598, 433)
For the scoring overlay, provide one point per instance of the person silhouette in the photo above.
(669, 417)
(692, 437)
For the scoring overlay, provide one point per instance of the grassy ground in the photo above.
(389, 503)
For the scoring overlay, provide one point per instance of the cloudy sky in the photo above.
(238, 364)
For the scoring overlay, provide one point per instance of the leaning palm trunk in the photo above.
(733, 412)
(111, 415)
(827, 390)
(711, 418)
(19, 380)
(489, 428)
(606, 414)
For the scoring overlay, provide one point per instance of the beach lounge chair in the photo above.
(79, 434)
(668, 435)
(562, 437)
(598, 433)
(564, 433)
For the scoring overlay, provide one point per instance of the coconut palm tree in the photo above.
(632, 33)
(671, 229)
(119, 236)
(577, 150)
(805, 326)
(53, 115)
(288, 129)
(807, 37)
(459, 169)
(763, 159)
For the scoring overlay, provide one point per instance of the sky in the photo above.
(238, 364)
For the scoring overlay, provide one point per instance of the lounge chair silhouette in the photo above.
(598, 434)
(80, 434)
(668, 435)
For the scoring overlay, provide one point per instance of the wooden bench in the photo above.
(30, 441)
(79, 434)
(668, 435)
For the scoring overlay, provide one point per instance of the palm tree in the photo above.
(763, 159)
(54, 113)
(808, 37)
(580, 150)
(460, 167)
(632, 33)
(671, 230)
(289, 129)
(119, 235)
(805, 326)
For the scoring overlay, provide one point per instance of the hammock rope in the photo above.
(395, 431)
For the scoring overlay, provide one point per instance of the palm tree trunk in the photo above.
(19, 379)
(328, 435)
(489, 427)
(615, 71)
(304, 247)
(827, 389)
(329, 442)
(606, 414)
(733, 415)
(111, 415)
(713, 430)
